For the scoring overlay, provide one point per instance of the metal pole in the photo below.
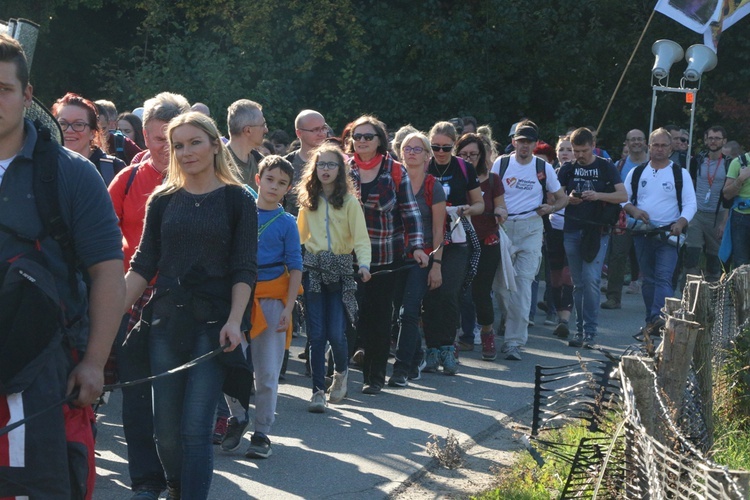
(692, 123)
(653, 110)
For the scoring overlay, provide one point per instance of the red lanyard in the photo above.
(708, 170)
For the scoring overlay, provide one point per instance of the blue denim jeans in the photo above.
(657, 260)
(409, 349)
(184, 405)
(326, 323)
(144, 466)
(740, 239)
(441, 314)
(587, 278)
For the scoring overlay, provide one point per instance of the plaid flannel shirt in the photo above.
(391, 214)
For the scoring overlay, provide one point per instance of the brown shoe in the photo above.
(611, 304)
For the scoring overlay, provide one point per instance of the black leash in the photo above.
(73, 395)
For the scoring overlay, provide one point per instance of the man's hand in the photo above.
(545, 210)
(677, 227)
(88, 377)
(574, 198)
(638, 214)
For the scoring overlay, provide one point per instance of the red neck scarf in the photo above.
(368, 165)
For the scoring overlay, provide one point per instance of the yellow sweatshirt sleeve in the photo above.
(358, 230)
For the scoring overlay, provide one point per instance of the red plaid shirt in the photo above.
(390, 213)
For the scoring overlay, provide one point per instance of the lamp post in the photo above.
(700, 59)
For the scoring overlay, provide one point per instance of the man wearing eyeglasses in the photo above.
(621, 243)
(658, 204)
(247, 127)
(708, 171)
(311, 129)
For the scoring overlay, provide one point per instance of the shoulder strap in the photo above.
(743, 159)
(634, 181)
(131, 178)
(262, 228)
(45, 188)
(429, 187)
(462, 164)
(504, 162)
(541, 175)
(107, 169)
(677, 172)
(620, 164)
(396, 174)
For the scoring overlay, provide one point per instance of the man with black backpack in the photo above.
(661, 200)
(595, 191)
(527, 180)
(56, 223)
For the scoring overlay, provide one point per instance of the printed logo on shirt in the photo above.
(667, 187)
(643, 183)
(523, 184)
(511, 181)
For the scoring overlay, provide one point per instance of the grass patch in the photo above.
(526, 480)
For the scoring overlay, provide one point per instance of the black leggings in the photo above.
(481, 287)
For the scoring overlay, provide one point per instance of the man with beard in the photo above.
(593, 185)
(709, 171)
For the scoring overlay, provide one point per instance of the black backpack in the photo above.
(635, 181)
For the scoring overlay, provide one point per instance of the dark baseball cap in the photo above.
(526, 132)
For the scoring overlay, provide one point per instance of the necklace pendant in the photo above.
(197, 204)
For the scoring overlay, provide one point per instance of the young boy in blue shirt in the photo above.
(279, 279)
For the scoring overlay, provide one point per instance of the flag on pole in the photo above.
(709, 17)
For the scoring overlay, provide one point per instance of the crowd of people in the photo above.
(393, 244)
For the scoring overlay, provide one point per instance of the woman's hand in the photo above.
(421, 258)
(230, 334)
(435, 277)
(364, 274)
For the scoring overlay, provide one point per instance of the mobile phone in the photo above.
(577, 194)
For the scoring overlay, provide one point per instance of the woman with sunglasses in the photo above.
(394, 224)
(77, 117)
(415, 151)
(471, 147)
(464, 197)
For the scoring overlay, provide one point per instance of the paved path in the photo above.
(369, 445)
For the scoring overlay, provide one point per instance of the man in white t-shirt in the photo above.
(658, 206)
(526, 205)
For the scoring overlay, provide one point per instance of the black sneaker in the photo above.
(416, 372)
(233, 437)
(562, 330)
(588, 342)
(576, 341)
(260, 447)
(397, 380)
(146, 495)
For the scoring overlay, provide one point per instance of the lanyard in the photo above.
(708, 170)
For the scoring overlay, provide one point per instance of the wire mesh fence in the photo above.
(659, 402)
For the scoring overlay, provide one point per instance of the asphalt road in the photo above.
(368, 446)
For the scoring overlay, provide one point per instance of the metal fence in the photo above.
(658, 398)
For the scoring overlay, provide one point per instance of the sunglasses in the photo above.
(444, 149)
(367, 137)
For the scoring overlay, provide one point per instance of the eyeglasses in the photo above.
(76, 126)
(317, 130)
(259, 124)
(444, 149)
(367, 137)
(327, 165)
(469, 156)
(417, 150)
(683, 139)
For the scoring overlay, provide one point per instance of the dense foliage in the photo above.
(554, 61)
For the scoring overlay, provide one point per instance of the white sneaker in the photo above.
(339, 387)
(317, 403)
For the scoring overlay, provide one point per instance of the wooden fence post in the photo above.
(699, 299)
(676, 354)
